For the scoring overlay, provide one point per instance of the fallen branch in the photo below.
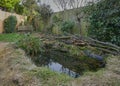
(83, 41)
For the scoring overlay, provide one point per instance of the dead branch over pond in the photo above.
(85, 41)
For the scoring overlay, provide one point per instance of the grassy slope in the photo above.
(109, 76)
(16, 69)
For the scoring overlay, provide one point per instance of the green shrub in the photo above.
(67, 26)
(56, 19)
(32, 45)
(49, 28)
(104, 21)
(10, 24)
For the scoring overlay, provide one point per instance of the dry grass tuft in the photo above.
(109, 76)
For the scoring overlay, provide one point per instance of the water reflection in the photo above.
(59, 68)
(61, 63)
(64, 63)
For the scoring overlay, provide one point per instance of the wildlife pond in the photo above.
(64, 63)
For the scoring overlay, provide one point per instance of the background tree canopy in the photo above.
(104, 19)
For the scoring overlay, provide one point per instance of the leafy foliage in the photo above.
(105, 21)
(28, 3)
(67, 26)
(8, 4)
(37, 14)
(30, 7)
(56, 19)
(45, 12)
(19, 9)
(10, 24)
(32, 45)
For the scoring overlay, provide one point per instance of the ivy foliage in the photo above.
(104, 19)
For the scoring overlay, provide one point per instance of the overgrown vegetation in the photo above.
(67, 26)
(19, 9)
(104, 21)
(78, 54)
(32, 46)
(38, 15)
(8, 5)
(45, 12)
(10, 24)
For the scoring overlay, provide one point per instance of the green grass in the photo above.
(11, 37)
(49, 78)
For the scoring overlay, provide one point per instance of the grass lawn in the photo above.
(10, 37)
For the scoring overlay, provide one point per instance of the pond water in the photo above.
(64, 63)
(55, 66)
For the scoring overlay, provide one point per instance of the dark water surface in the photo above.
(64, 63)
(55, 66)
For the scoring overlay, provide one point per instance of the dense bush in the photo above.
(67, 26)
(104, 18)
(19, 9)
(8, 5)
(10, 24)
(32, 45)
(45, 12)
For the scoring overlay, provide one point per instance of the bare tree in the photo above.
(61, 4)
(76, 5)
(71, 4)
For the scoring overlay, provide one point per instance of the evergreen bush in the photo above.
(67, 26)
(10, 24)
